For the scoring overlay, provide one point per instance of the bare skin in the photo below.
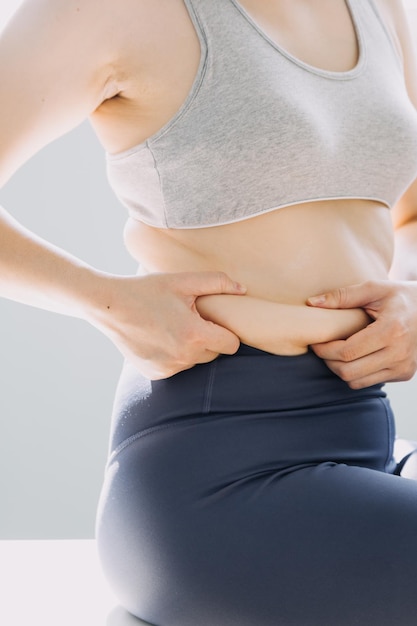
(135, 64)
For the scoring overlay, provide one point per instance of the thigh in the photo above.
(348, 539)
(314, 546)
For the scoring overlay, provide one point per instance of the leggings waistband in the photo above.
(297, 402)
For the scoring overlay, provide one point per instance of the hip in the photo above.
(255, 410)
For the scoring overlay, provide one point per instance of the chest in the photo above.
(157, 73)
(261, 128)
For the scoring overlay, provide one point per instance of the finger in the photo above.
(331, 351)
(163, 369)
(206, 283)
(366, 341)
(359, 369)
(350, 297)
(377, 378)
(205, 357)
(220, 340)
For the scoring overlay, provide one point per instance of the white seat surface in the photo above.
(56, 583)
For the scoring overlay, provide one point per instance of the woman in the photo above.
(259, 144)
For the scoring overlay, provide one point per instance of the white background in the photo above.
(57, 374)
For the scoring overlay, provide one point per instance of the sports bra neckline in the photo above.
(341, 75)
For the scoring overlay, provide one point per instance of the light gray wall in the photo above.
(58, 374)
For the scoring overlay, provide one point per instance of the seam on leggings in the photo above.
(213, 417)
(209, 387)
(155, 429)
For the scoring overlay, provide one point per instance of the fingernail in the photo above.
(240, 288)
(317, 300)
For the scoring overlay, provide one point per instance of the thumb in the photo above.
(361, 295)
(209, 283)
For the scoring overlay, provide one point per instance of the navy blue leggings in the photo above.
(257, 490)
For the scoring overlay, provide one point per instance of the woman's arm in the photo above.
(55, 70)
(280, 328)
(51, 78)
(59, 60)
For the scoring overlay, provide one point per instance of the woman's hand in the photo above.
(154, 322)
(384, 351)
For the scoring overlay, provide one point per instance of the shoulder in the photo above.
(60, 60)
(57, 60)
(91, 44)
(393, 10)
(53, 16)
(49, 33)
(104, 30)
(401, 23)
(393, 15)
(396, 15)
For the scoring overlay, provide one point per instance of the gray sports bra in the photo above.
(261, 130)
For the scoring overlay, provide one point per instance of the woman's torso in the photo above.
(287, 255)
(284, 255)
